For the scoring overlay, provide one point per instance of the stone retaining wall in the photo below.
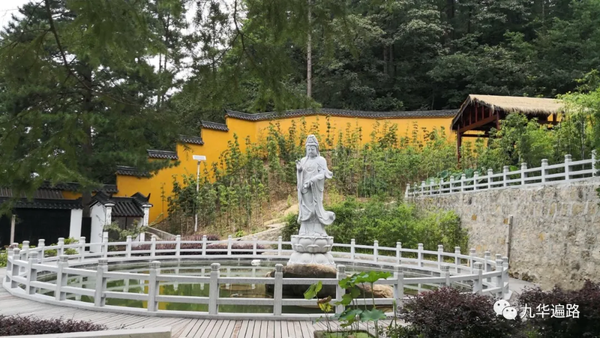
(555, 229)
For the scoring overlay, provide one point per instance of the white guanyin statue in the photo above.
(311, 173)
(312, 245)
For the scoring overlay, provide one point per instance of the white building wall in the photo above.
(75, 228)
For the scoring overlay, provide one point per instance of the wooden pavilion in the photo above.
(480, 113)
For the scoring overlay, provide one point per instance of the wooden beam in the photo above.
(498, 121)
(478, 124)
(470, 113)
(458, 144)
(474, 135)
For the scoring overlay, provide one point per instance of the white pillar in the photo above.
(75, 228)
(108, 213)
(13, 221)
(146, 220)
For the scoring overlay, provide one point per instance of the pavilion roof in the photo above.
(533, 106)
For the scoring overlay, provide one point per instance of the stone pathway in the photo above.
(517, 287)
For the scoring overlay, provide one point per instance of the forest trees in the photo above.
(77, 94)
(394, 55)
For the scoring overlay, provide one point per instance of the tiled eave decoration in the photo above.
(162, 154)
(214, 126)
(343, 113)
(130, 171)
(191, 139)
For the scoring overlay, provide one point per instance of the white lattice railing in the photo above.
(29, 274)
(546, 174)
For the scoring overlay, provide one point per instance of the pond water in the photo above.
(237, 268)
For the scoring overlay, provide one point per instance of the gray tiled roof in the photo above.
(48, 194)
(342, 113)
(62, 204)
(214, 125)
(163, 154)
(126, 207)
(141, 199)
(123, 206)
(191, 139)
(130, 171)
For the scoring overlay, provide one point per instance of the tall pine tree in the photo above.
(78, 95)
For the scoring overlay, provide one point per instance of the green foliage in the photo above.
(446, 312)
(245, 180)
(390, 223)
(49, 252)
(3, 258)
(234, 202)
(30, 325)
(313, 290)
(116, 234)
(389, 55)
(523, 140)
(352, 314)
(77, 92)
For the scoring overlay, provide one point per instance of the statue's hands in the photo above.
(298, 165)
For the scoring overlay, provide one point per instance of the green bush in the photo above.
(3, 258)
(390, 223)
(17, 326)
(68, 251)
(116, 234)
(448, 313)
(580, 315)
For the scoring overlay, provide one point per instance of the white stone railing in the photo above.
(563, 172)
(29, 272)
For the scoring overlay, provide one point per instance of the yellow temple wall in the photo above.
(160, 185)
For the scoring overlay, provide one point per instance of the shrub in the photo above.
(587, 299)
(448, 313)
(3, 258)
(198, 246)
(17, 325)
(390, 223)
(68, 251)
(291, 227)
(116, 234)
(199, 238)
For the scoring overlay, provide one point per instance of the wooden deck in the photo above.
(181, 327)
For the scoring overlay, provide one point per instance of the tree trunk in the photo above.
(87, 145)
(385, 59)
(391, 67)
(309, 54)
(469, 21)
(449, 10)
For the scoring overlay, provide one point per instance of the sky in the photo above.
(9, 7)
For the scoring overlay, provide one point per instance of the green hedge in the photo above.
(390, 223)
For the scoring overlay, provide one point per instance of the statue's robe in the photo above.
(312, 217)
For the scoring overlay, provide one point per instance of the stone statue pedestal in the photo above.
(311, 250)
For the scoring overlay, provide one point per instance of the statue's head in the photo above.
(312, 146)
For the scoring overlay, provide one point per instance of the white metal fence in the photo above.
(563, 172)
(26, 266)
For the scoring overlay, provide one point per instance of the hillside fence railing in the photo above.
(567, 171)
